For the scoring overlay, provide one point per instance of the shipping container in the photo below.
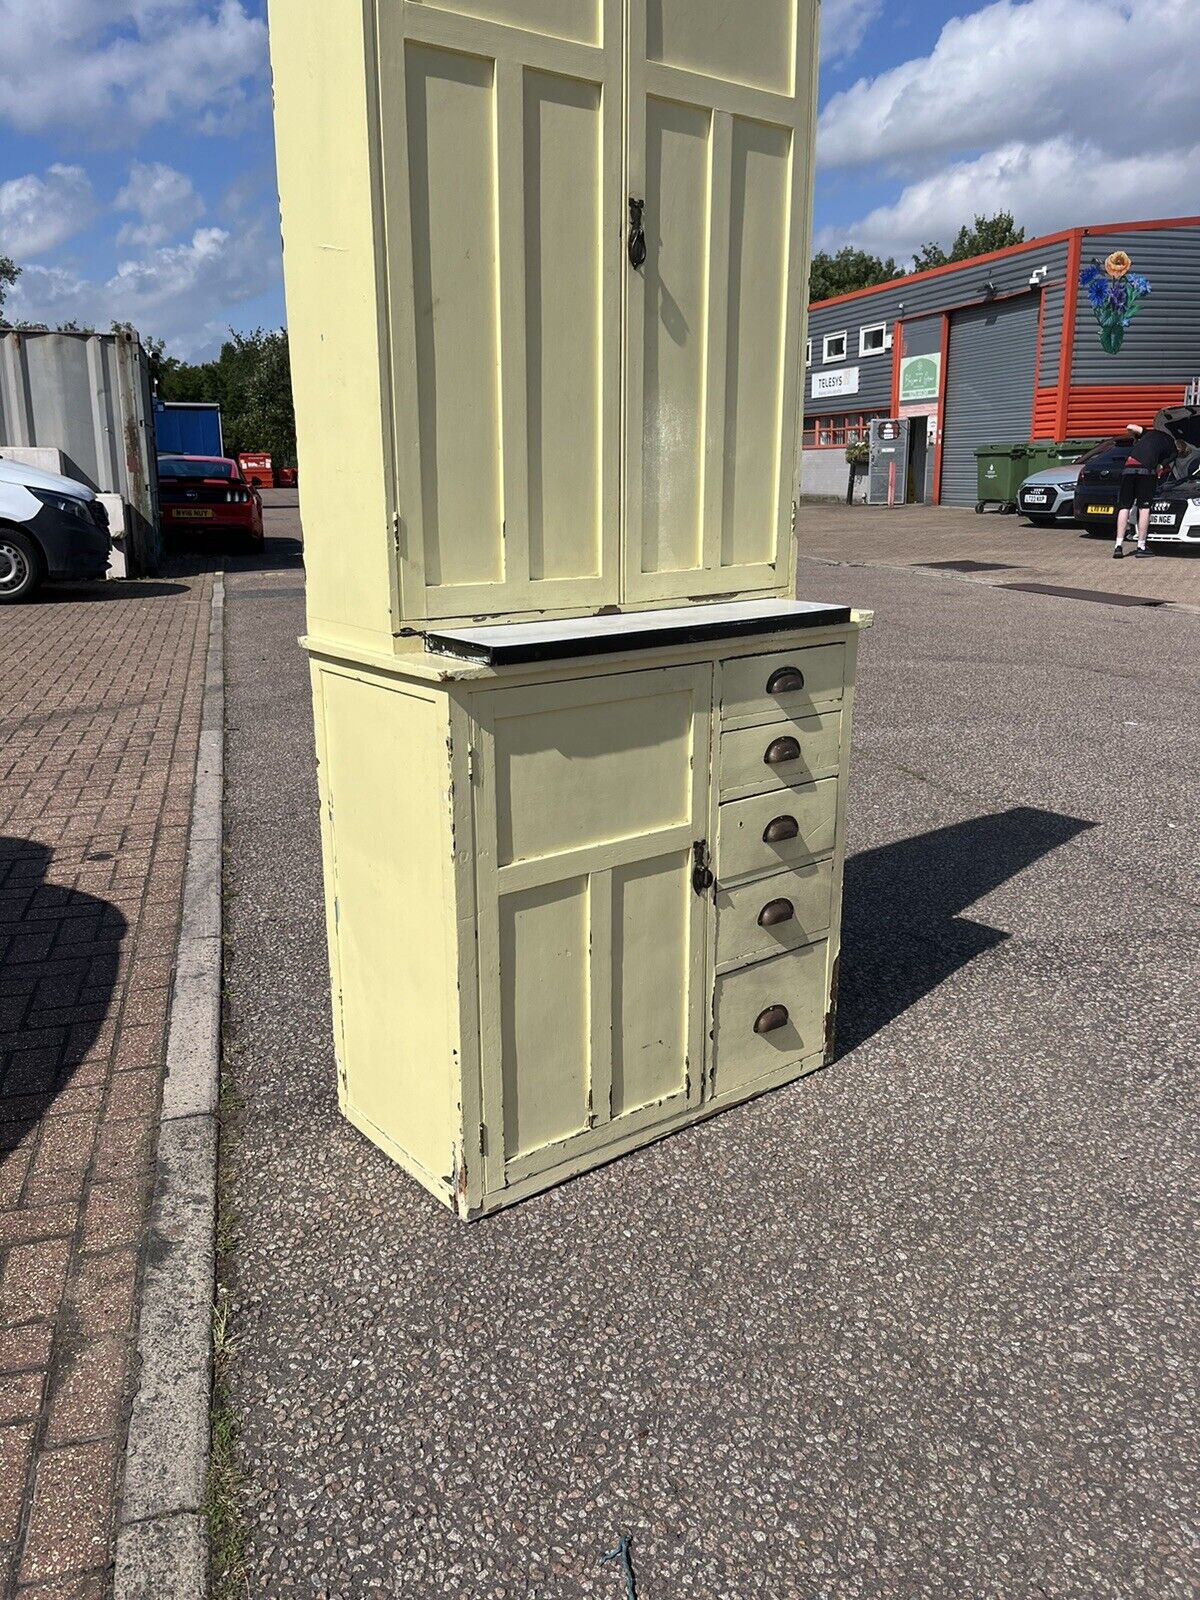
(87, 395)
(188, 428)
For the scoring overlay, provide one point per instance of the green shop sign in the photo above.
(920, 378)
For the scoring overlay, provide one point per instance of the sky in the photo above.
(137, 165)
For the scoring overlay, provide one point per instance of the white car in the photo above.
(51, 529)
(1175, 512)
(1049, 495)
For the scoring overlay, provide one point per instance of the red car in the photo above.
(199, 493)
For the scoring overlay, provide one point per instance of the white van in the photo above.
(52, 529)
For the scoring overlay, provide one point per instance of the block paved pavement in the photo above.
(1016, 551)
(99, 716)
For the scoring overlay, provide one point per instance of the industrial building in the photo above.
(1000, 347)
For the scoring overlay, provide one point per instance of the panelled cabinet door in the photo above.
(501, 156)
(719, 121)
(589, 797)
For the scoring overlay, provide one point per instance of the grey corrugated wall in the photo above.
(905, 297)
(989, 387)
(1162, 344)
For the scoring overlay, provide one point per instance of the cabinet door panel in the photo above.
(501, 161)
(451, 124)
(544, 1011)
(577, 20)
(750, 43)
(652, 912)
(589, 797)
(720, 113)
(672, 337)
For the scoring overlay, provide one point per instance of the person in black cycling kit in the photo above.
(1150, 452)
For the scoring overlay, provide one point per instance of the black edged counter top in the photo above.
(512, 643)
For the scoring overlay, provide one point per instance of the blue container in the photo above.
(182, 428)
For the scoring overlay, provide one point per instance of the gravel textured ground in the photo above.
(921, 1325)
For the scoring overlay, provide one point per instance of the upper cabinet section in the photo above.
(560, 416)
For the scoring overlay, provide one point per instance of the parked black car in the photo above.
(1099, 480)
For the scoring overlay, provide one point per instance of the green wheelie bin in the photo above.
(1000, 470)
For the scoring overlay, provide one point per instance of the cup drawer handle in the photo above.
(779, 829)
(773, 1017)
(782, 750)
(785, 680)
(775, 912)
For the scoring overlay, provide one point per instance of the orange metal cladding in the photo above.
(1103, 408)
(1045, 413)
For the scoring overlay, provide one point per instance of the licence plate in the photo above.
(1162, 519)
(1036, 497)
(191, 511)
(1100, 511)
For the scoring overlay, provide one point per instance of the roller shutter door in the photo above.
(989, 387)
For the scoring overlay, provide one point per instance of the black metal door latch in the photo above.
(637, 235)
(702, 878)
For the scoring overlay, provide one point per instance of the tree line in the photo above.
(848, 269)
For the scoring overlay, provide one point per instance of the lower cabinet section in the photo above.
(555, 933)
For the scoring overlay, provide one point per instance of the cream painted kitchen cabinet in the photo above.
(581, 944)
(582, 758)
(545, 267)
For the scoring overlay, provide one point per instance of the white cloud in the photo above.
(1119, 72)
(1059, 183)
(185, 293)
(164, 199)
(112, 68)
(38, 214)
(843, 25)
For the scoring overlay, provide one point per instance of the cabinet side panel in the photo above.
(385, 791)
(320, 68)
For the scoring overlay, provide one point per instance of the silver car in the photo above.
(1049, 496)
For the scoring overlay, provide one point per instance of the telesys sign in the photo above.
(920, 378)
(843, 381)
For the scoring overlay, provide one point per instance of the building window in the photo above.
(808, 353)
(836, 431)
(873, 341)
(834, 347)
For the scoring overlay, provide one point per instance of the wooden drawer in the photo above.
(743, 847)
(757, 686)
(795, 904)
(780, 756)
(788, 989)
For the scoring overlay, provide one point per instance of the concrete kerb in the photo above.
(162, 1544)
